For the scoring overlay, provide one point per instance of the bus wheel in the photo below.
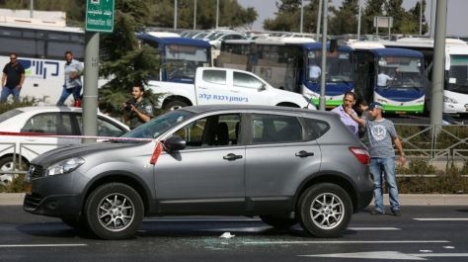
(174, 105)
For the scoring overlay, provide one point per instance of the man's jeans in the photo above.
(66, 92)
(7, 91)
(379, 167)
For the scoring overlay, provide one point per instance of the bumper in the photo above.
(54, 205)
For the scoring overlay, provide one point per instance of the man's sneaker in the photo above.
(376, 212)
(397, 213)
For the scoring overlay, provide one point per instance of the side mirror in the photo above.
(262, 88)
(174, 143)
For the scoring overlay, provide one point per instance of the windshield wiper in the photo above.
(453, 87)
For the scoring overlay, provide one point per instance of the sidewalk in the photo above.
(9, 199)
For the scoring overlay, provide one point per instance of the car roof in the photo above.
(49, 109)
(276, 109)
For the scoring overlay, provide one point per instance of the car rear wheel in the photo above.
(174, 105)
(325, 210)
(114, 211)
(278, 221)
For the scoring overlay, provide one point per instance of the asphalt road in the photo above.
(432, 233)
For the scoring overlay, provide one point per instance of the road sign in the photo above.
(100, 16)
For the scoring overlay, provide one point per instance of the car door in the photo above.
(211, 86)
(206, 176)
(282, 153)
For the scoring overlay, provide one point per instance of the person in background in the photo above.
(137, 110)
(12, 79)
(346, 111)
(382, 78)
(72, 84)
(381, 136)
(361, 109)
(315, 72)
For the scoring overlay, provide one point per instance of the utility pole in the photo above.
(437, 89)
(359, 21)
(195, 15)
(319, 18)
(31, 8)
(324, 57)
(175, 14)
(217, 14)
(420, 16)
(302, 17)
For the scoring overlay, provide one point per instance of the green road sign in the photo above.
(100, 15)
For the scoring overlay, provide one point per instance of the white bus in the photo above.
(40, 50)
(456, 70)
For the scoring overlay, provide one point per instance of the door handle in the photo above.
(231, 156)
(303, 153)
(201, 87)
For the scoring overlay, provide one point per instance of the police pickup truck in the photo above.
(225, 86)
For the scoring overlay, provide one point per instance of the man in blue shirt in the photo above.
(72, 84)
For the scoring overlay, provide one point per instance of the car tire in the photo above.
(325, 210)
(278, 221)
(174, 105)
(114, 211)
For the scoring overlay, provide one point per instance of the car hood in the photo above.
(66, 152)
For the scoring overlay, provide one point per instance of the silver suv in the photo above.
(284, 165)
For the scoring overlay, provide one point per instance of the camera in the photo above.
(128, 106)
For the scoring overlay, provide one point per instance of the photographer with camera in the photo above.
(137, 110)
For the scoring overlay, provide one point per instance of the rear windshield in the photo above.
(9, 114)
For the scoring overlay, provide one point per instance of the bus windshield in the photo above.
(405, 72)
(458, 74)
(181, 61)
(339, 67)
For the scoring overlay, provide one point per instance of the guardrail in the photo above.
(441, 145)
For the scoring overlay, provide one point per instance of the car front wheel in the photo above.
(325, 210)
(114, 211)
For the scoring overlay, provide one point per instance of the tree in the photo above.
(288, 16)
(125, 63)
(344, 19)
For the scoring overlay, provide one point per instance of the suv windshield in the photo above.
(159, 125)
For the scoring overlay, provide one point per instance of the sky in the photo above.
(457, 20)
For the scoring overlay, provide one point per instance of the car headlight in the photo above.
(450, 100)
(65, 166)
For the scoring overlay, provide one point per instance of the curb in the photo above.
(16, 199)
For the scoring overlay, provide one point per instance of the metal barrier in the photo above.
(446, 144)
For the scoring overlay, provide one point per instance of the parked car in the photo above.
(285, 165)
(30, 131)
(225, 86)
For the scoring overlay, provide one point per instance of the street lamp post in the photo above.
(302, 16)
(420, 17)
(324, 57)
(217, 14)
(175, 14)
(195, 15)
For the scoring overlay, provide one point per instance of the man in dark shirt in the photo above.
(12, 79)
(138, 110)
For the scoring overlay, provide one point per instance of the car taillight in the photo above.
(361, 154)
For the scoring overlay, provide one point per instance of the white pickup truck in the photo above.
(225, 86)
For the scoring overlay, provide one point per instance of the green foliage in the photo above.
(25, 101)
(16, 186)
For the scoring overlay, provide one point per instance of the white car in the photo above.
(225, 86)
(22, 133)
